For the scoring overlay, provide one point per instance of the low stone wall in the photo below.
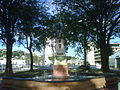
(21, 84)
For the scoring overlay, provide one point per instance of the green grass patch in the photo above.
(28, 74)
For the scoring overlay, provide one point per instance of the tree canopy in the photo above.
(18, 17)
(95, 20)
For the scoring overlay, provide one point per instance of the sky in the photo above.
(16, 47)
(116, 40)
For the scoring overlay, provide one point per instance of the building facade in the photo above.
(114, 46)
(113, 60)
(16, 63)
(90, 54)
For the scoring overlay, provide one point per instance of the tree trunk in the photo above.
(53, 54)
(104, 50)
(85, 59)
(85, 48)
(31, 58)
(9, 45)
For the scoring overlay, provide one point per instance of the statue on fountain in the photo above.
(60, 67)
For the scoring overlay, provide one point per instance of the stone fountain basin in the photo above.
(33, 84)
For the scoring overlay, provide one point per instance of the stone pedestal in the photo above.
(60, 70)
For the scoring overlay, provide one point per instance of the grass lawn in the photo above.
(24, 74)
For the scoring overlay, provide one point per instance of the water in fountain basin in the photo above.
(62, 78)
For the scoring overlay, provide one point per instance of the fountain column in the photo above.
(60, 67)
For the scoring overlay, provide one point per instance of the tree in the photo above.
(12, 15)
(33, 32)
(102, 17)
(2, 53)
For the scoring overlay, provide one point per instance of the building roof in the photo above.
(116, 54)
(115, 43)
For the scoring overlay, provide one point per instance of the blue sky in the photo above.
(116, 40)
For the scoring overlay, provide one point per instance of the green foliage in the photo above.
(27, 56)
(60, 58)
(92, 20)
(33, 26)
(19, 20)
(18, 54)
(68, 57)
(2, 53)
(26, 74)
(51, 58)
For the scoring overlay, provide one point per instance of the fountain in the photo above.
(61, 79)
(60, 67)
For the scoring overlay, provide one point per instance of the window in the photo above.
(60, 53)
(59, 41)
(59, 45)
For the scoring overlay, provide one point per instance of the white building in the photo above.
(114, 46)
(114, 60)
(18, 62)
(76, 61)
(94, 57)
(90, 55)
(2, 61)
